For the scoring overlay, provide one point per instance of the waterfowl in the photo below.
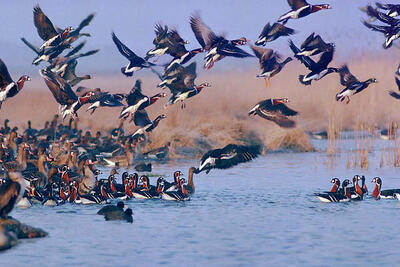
(172, 186)
(143, 167)
(357, 193)
(318, 69)
(51, 200)
(336, 185)
(136, 100)
(378, 193)
(229, 156)
(141, 119)
(11, 191)
(392, 10)
(269, 62)
(160, 42)
(336, 196)
(120, 215)
(68, 101)
(9, 88)
(300, 8)
(135, 62)
(180, 195)
(391, 30)
(190, 185)
(90, 199)
(98, 98)
(158, 153)
(393, 93)
(276, 111)
(147, 191)
(313, 45)
(271, 33)
(217, 46)
(183, 86)
(352, 84)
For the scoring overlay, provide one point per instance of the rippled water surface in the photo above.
(262, 213)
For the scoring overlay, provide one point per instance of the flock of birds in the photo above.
(36, 168)
(356, 192)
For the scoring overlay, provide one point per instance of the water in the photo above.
(262, 213)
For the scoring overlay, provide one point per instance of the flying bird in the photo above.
(271, 33)
(300, 8)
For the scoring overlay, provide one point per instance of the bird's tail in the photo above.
(301, 79)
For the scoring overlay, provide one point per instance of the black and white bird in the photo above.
(98, 98)
(387, 193)
(300, 8)
(319, 69)
(141, 119)
(393, 93)
(352, 84)
(271, 33)
(228, 157)
(342, 196)
(392, 10)
(135, 62)
(276, 111)
(313, 45)
(9, 88)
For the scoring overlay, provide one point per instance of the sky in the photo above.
(133, 22)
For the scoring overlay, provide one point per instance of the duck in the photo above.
(12, 190)
(275, 110)
(391, 31)
(172, 186)
(9, 88)
(318, 69)
(378, 193)
(300, 8)
(120, 215)
(228, 156)
(136, 63)
(356, 191)
(269, 63)
(394, 94)
(51, 199)
(69, 102)
(271, 33)
(336, 196)
(217, 46)
(136, 100)
(180, 195)
(314, 45)
(352, 84)
(141, 119)
(392, 10)
(147, 191)
(73, 196)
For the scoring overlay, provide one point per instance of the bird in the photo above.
(181, 194)
(378, 193)
(141, 119)
(271, 33)
(313, 45)
(269, 63)
(161, 41)
(352, 84)
(9, 88)
(136, 100)
(300, 8)
(228, 156)
(12, 189)
(135, 62)
(336, 185)
(120, 216)
(398, 70)
(336, 196)
(275, 110)
(392, 10)
(98, 98)
(69, 102)
(217, 46)
(393, 93)
(319, 69)
(357, 192)
(143, 167)
(183, 87)
(391, 30)
(146, 190)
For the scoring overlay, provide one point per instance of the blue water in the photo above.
(262, 213)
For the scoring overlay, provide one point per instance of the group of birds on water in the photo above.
(55, 165)
(356, 192)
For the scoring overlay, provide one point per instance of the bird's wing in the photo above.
(5, 78)
(31, 46)
(141, 118)
(76, 49)
(202, 32)
(135, 94)
(276, 117)
(326, 58)
(307, 40)
(233, 51)
(377, 28)
(123, 49)
(190, 75)
(282, 29)
(381, 16)
(346, 78)
(85, 22)
(61, 91)
(285, 110)
(307, 61)
(267, 28)
(296, 4)
(43, 24)
(232, 155)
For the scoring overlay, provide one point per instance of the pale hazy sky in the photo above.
(133, 22)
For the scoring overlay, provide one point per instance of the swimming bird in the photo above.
(378, 193)
(313, 45)
(336, 196)
(9, 88)
(229, 156)
(336, 185)
(357, 192)
(271, 33)
(120, 216)
(393, 93)
(68, 101)
(179, 195)
(111, 208)
(319, 69)
(135, 62)
(141, 119)
(146, 190)
(276, 111)
(217, 46)
(135, 100)
(352, 84)
(269, 63)
(300, 8)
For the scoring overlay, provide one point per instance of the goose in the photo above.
(98, 98)
(300, 8)
(120, 215)
(392, 10)
(271, 33)
(378, 193)
(343, 196)
(11, 191)
(313, 45)
(141, 119)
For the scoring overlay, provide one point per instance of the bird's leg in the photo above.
(348, 100)
(155, 60)
(267, 82)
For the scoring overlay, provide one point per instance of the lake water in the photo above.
(262, 213)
